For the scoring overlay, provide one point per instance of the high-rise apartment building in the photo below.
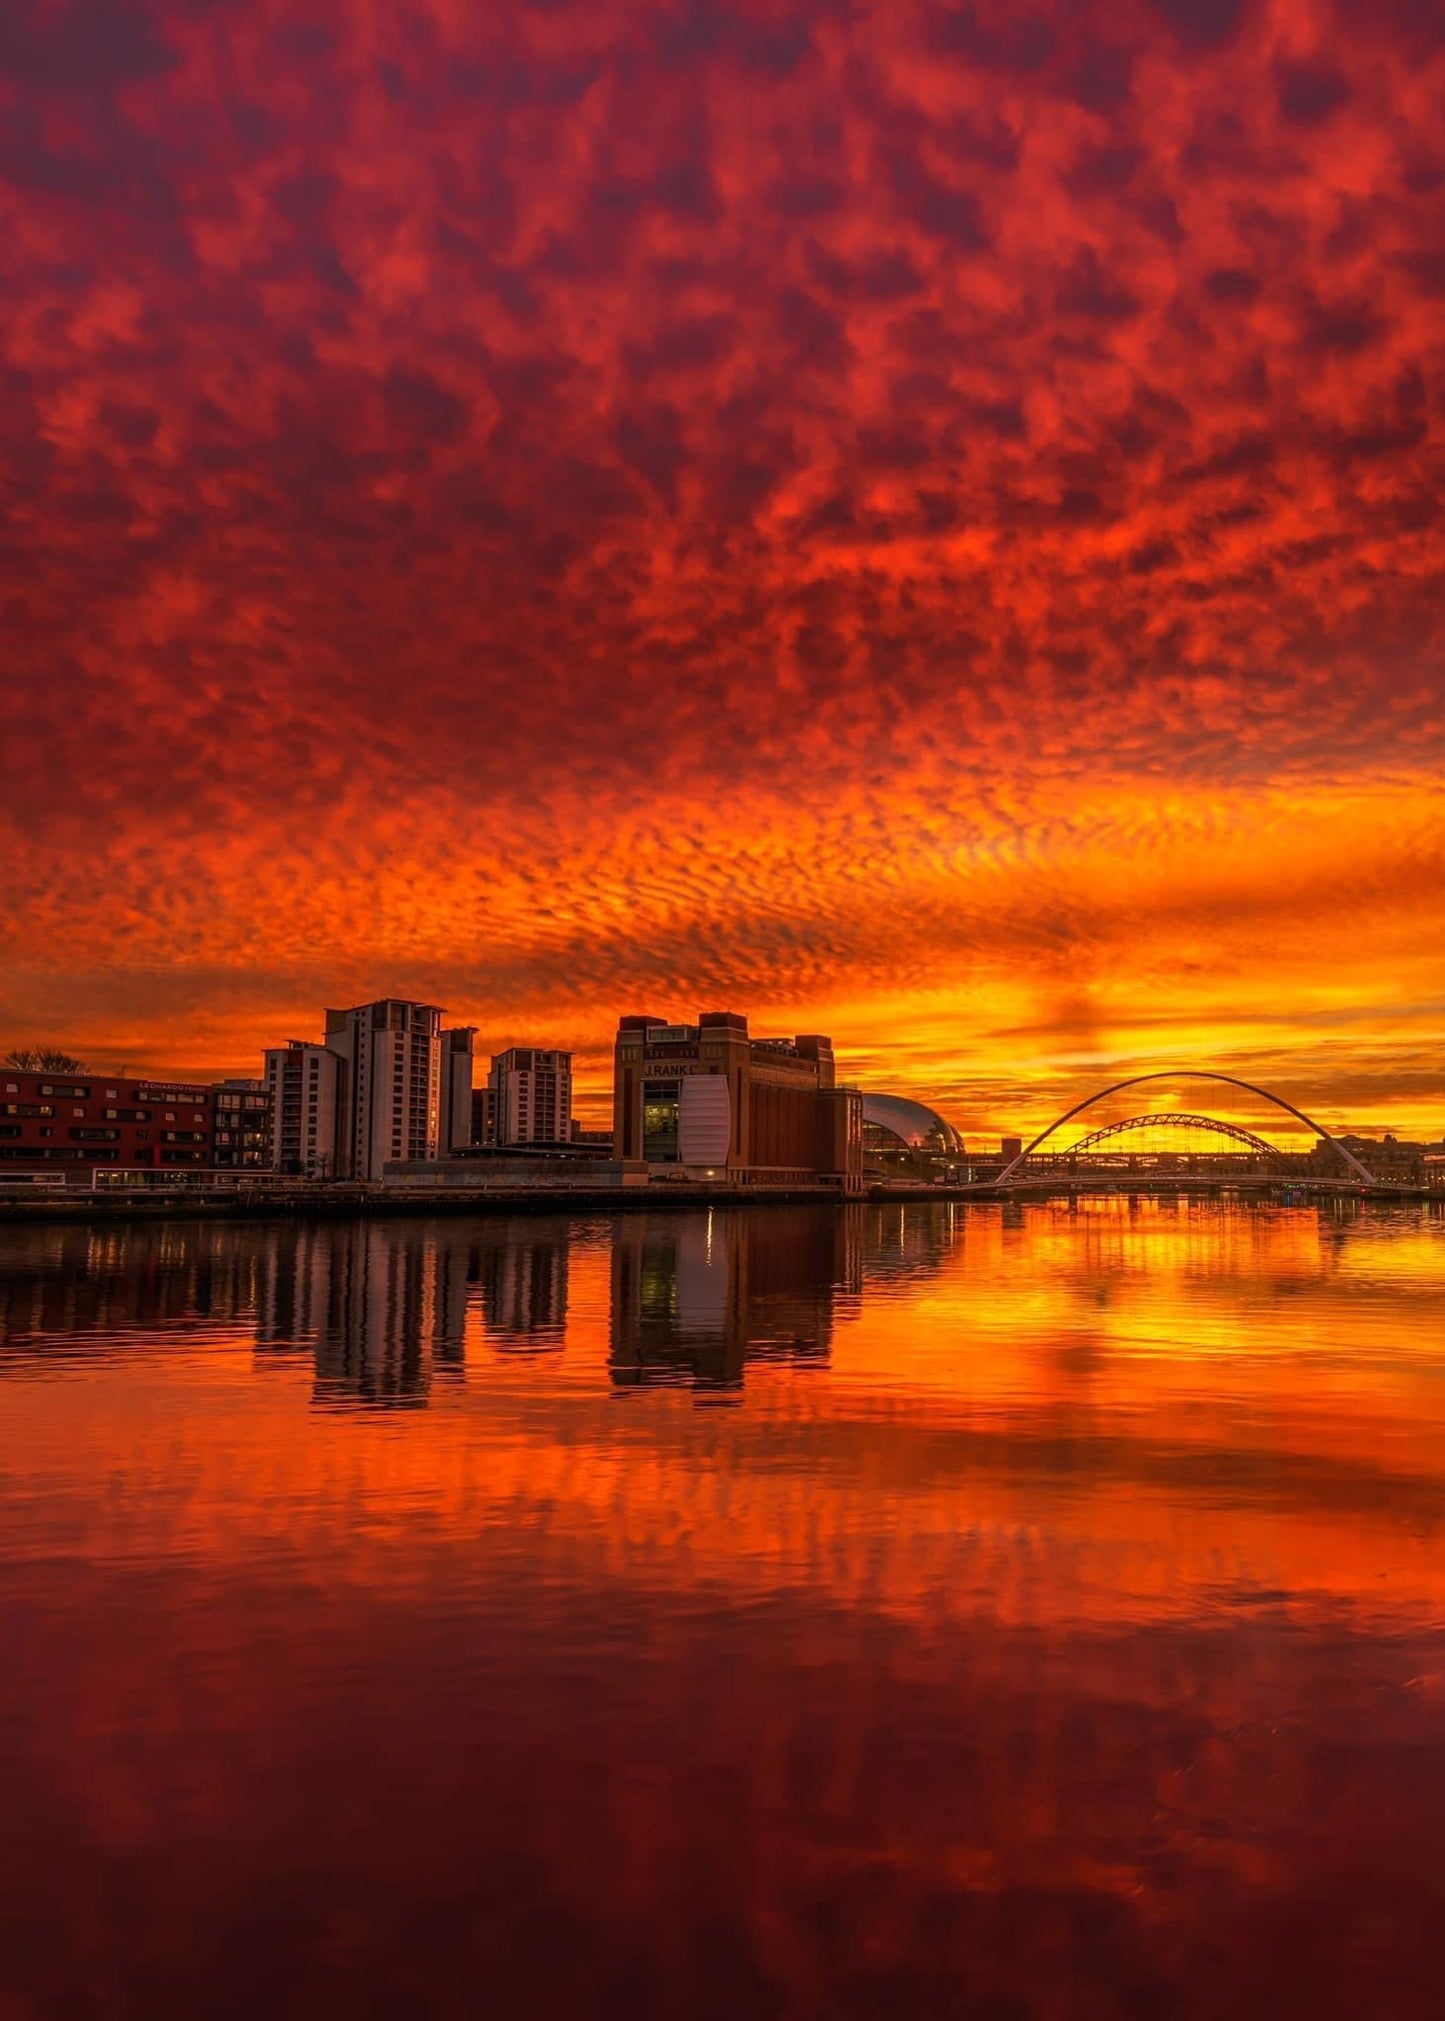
(533, 1091)
(392, 1051)
(306, 1086)
(484, 1114)
(386, 1083)
(243, 1126)
(458, 1048)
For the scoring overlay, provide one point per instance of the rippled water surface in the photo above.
(890, 1611)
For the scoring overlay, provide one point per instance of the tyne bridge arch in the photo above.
(1013, 1170)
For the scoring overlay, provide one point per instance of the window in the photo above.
(94, 1136)
(29, 1109)
(64, 1089)
(659, 1122)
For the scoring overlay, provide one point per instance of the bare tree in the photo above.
(44, 1060)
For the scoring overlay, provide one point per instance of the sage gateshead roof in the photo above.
(917, 1128)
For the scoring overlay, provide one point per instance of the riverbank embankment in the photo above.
(333, 1203)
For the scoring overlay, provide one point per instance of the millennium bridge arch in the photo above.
(1186, 1074)
(1173, 1119)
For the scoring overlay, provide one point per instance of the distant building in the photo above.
(458, 1050)
(242, 1125)
(533, 1096)
(304, 1083)
(484, 1116)
(705, 1100)
(1386, 1158)
(392, 1091)
(903, 1139)
(78, 1123)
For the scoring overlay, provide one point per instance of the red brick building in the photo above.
(74, 1123)
(705, 1101)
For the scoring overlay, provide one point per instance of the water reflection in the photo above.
(1054, 1628)
(522, 1269)
(385, 1309)
(695, 1297)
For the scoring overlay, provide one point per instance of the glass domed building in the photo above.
(904, 1139)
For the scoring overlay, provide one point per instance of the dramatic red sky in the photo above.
(914, 520)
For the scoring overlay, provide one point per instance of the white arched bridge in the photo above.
(1099, 1152)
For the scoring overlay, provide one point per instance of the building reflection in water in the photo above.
(109, 1284)
(696, 1296)
(383, 1312)
(382, 1309)
(520, 1269)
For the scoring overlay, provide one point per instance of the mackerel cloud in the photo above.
(846, 502)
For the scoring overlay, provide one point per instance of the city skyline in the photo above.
(1002, 1108)
(919, 523)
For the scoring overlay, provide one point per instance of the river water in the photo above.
(887, 1611)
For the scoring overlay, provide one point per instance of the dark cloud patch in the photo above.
(1231, 284)
(1340, 327)
(80, 45)
(885, 274)
(652, 442)
(937, 206)
(686, 189)
(1107, 170)
(995, 37)
(420, 409)
(1309, 93)
(1094, 292)
(1202, 24)
(1100, 76)
(692, 31)
(695, 345)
